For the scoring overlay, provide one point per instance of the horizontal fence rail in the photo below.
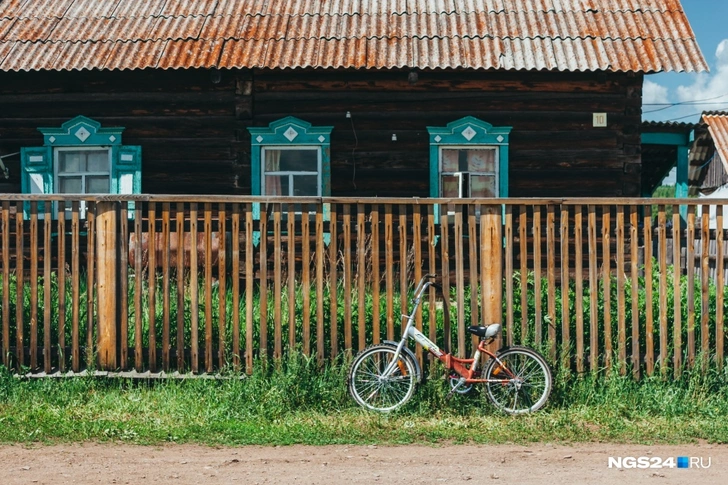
(204, 283)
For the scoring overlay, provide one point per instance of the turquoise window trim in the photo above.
(469, 132)
(290, 132)
(38, 163)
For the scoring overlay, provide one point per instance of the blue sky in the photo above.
(695, 92)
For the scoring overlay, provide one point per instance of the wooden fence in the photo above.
(195, 283)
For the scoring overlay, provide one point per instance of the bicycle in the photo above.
(383, 377)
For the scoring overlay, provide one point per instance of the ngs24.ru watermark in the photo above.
(628, 462)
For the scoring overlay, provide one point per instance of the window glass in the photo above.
(480, 160)
(305, 185)
(291, 172)
(97, 161)
(97, 185)
(69, 162)
(84, 172)
(70, 185)
(450, 160)
(468, 172)
(482, 186)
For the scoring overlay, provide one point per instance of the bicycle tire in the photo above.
(529, 386)
(370, 389)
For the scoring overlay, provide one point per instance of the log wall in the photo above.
(194, 138)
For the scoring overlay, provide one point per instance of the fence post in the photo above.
(491, 246)
(106, 264)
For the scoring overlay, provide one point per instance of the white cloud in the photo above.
(653, 93)
(711, 88)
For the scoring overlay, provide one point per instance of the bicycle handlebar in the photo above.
(424, 283)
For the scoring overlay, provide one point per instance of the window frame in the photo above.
(39, 164)
(290, 132)
(469, 132)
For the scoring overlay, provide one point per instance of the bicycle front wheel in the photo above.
(523, 381)
(372, 389)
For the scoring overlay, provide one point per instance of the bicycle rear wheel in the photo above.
(372, 389)
(524, 381)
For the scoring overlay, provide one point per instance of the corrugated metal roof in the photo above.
(718, 127)
(565, 35)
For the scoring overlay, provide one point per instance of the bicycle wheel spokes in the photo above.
(528, 384)
(374, 385)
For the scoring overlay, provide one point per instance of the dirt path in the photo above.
(189, 464)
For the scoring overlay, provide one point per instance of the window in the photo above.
(469, 159)
(290, 157)
(81, 157)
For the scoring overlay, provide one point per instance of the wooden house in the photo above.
(709, 156)
(484, 98)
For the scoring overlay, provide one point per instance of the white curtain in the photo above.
(272, 164)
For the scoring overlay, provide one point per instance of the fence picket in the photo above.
(5, 348)
(123, 285)
(209, 357)
(61, 217)
(677, 292)
(593, 297)
(579, 286)
(194, 293)
(277, 282)
(166, 290)
(523, 256)
(720, 285)
(361, 273)
(389, 264)
(306, 277)
(346, 228)
(376, 335)
(565, 264)
(221, 284)
(649, 320)
(704, 288)
(235, 270)
(509, 324)
(47, 256)
(152, 270)
(621, 324)
(607, 286)
(249, 286)
(538, 331)
(75, 284)
(662, 243)
(34, 286)
(633, 256)
(551, 277)
(691, 286)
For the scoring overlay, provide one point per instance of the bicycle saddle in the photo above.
(485, 332)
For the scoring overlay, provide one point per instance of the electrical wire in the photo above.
(696, 114)
(693, 102)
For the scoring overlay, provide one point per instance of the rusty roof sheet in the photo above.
(718, 127)
(565, 35)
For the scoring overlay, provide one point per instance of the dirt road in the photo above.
(445, 464)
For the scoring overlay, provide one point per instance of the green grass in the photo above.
(296, 402)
